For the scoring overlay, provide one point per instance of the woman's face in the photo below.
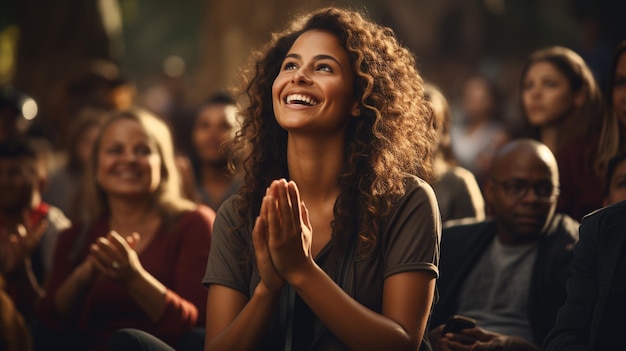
(211, 130)
(128, 161)
(547, 97)
(313, 91)
(619, 90)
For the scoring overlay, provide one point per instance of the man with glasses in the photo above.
(508, 272)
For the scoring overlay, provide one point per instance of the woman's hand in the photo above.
(19, 244)
(115, 258)
(270, 279)
(290, 233)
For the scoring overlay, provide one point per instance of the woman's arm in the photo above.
(114, 257)
(233, 323)
(407, 296)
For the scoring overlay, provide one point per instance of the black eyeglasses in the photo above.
(518, 188)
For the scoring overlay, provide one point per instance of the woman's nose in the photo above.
(301, 76)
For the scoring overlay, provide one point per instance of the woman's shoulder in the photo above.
(199, 214)
(418, 193)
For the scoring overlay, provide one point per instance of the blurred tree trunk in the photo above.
(56, 38)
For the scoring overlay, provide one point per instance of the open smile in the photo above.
(300, 99)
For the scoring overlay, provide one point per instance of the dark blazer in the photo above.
(463, 245)
(595, 259)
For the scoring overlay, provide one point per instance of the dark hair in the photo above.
(611, 138)
(391, 137)
(15, 148)
(613, 163)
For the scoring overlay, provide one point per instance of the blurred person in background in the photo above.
(562, 104)
(613, 138)
(458, 194)
(28, 226)
(137, 255)
(213, 131)
(615, 189)
(17, 110)
(478, 132)
(508, 272)
(592, 317)
(66, 179)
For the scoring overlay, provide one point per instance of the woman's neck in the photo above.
(127, 217)
(550, 137)
(315, 167)
(214, 173)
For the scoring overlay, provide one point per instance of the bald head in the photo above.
(524, 149)
(523, 190)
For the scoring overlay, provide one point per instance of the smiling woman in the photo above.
(333, 240)
(136, 257)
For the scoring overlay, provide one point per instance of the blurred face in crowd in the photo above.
(18, 182)
(213, 128)
(617, 185)
(619, 90)
(129, 163)
(547, 96)
(85, 143)
(523, 192)
(478, 101)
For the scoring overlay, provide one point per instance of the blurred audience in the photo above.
(28, 225)
(457, 191)
(17, 111)
(562, 103)
(615, 189)
(14, 335)
(99, 84)
(211, 137)
(139, 252)
(66, 180)
(613, 138)
(592, 317)
(508, 273)
(479, 132)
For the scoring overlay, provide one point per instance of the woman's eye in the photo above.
(143, 150)
(324, 67)
(550, 83)
(114, 150)
(289, 66)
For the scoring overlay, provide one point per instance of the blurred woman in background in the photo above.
(562, 104)
(137, 255)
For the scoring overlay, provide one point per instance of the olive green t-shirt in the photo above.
(409, 241)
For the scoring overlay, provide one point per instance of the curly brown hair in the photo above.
(391, 138)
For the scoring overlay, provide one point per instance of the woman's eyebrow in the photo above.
(316, 57)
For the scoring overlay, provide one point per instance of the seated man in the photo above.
(508, 273)
(28, 226)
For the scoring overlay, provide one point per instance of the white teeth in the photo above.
(301, 99)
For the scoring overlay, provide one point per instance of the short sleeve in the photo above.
(226, 264)
(413, 232)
